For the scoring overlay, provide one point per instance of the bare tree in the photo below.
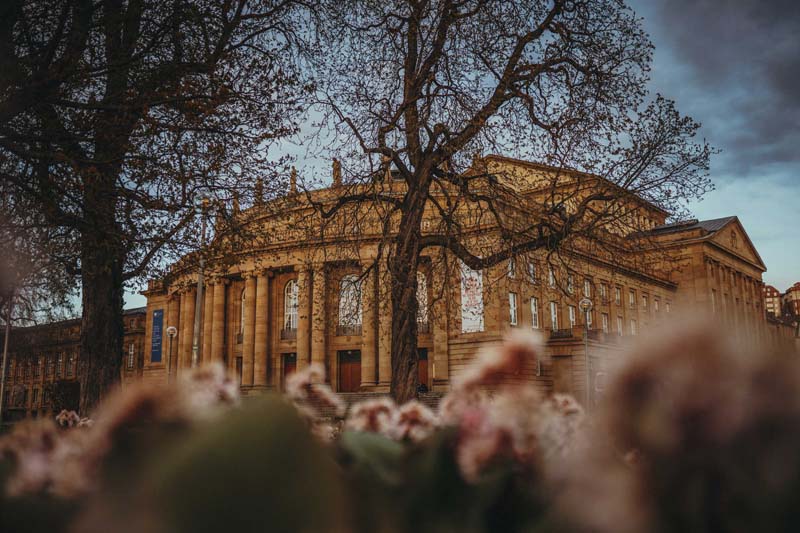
(116, 114)
(412, 90)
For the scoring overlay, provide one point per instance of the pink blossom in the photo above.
(415, 422)
(378, 416)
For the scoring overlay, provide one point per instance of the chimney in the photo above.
(337, 173)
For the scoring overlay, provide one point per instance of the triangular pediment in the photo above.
(733, 238)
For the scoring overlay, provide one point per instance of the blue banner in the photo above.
(156, 338)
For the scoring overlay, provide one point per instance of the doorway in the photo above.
(349, 370)
(288, 367)
(422, 369)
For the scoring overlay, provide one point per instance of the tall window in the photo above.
(617, 296)
(535, 313)
(512, 308)
(350, 301)
(422, 298)
(655, 304)
(572, 316)
(604, 292)
(290, 305)
(553, 315)
(551, 276)
(131, 356)
(37, 366)
(60, 364)
(619, 325)
(587, 288)
(713, 300)
(570, 283)
(604, 319)
(71, 364)
(632, 298)
(512, 268)
(634, 329)
(666, 307)
(645, 301)
(532, 272)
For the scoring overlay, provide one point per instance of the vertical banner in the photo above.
(471, 300)
(156, 337)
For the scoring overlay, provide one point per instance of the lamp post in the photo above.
(172, 331)
(5, 353)
(586, 306)
(200, 205)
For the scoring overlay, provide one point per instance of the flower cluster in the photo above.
(66, 463)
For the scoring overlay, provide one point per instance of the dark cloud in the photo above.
(735, 66)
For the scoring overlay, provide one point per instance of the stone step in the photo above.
(430, 399)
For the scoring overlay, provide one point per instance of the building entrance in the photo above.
(349, 370)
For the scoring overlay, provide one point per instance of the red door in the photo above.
(289, 365)
(422, 368)
(349, 370)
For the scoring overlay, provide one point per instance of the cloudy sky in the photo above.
(734, 65)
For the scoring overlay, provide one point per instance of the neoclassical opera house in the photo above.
(303, 291)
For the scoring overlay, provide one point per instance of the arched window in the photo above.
(350, 301)
(290, 305)
(422, 298)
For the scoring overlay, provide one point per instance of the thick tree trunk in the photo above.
(403, 266)
(102, 263)
(101, 327)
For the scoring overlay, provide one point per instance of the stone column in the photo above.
(318, 317)
(218, 321)
(438, 318)
(368, 333)
(249, 329)
(384, 310)
(260, 350)
(188, 328)
(303, 317)
(208, 312)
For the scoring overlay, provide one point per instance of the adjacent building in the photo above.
(42, 372)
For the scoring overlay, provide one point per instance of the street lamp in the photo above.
(172, 331)
(201, 202)
(586, 306)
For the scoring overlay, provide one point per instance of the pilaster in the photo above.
(368, 331)
(218, 321)
(260, 350)
(384, 308)
(208, 311)
(303, 317)
(318, 316)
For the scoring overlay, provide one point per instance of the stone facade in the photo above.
(43, 361)
(277, 308)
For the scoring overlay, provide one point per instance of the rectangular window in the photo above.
(645, 301)
(532, 272)
(617, 296)
(604, 319)
(131, 355)
(655, 304)
(713, 300)
(604, 292)
(512, 268)
(71, 364)
(551, 276)
(632, 298)
(633, 326)
(35, 396)
(589, 320)
(571, 309)
(587, 287)
(37, 367)
(60, 364)
(570, 283)
(51, 365)
(619, 325)
(666, 307)
(553, 315)
(512, 308)
(535, 313)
